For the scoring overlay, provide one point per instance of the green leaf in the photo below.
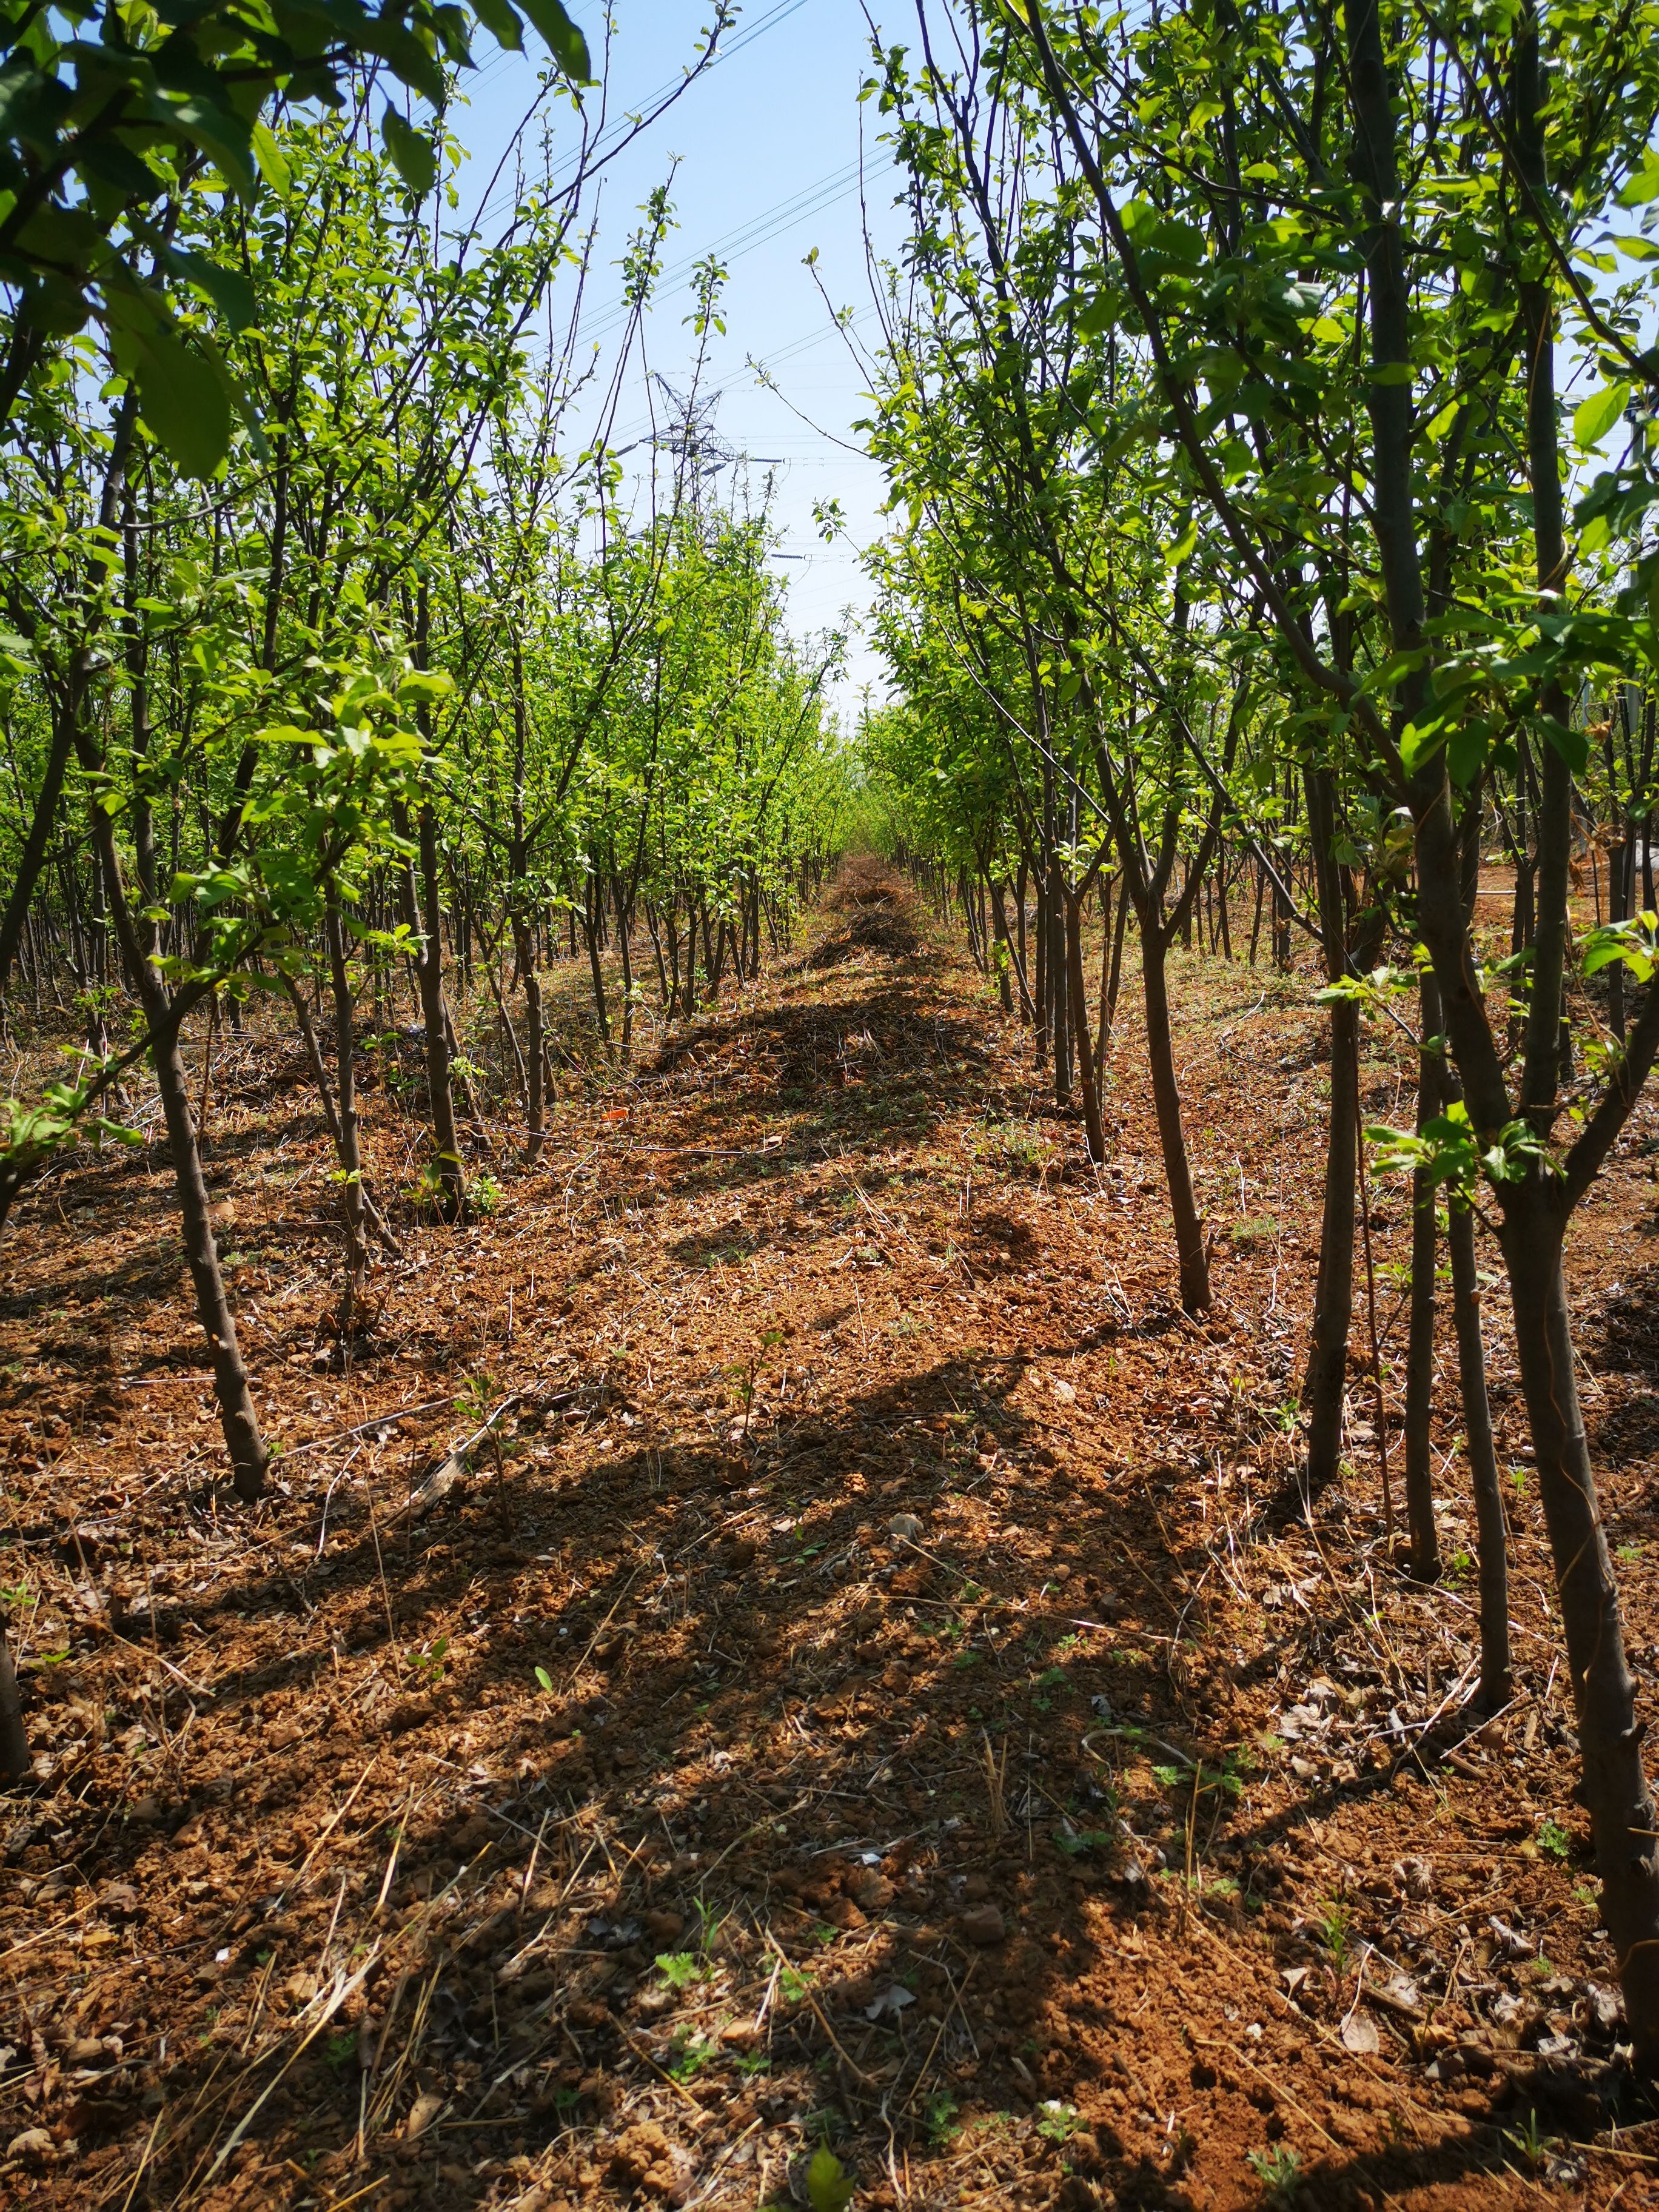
(411, 152)
(228, 288)
(1419, 744)
(273, 163)
(1181, 548)
(502, 23)
(1595, 416)
(220, 133)
(829, 2187)
(1630, 942)
(564, 41)
(1466, 751)
(182, 397)
(1572, 744)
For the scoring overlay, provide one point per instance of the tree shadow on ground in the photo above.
(700, 1775)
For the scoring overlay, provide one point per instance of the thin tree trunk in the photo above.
(627, 971)
(591, 932)
(33, 857)
(535, 1062)
(1033, 998)
(1016, 953)
(1109, 1004)
(1419, 1350)
(1044, 989)
(1058, 973)
(237, 1418)
(248, 1456)
(1192, 1259)
(1492, 1535)
(351, 1158)
(1003, 960)
(1615, 1788)
(1324, 1387)
(1091, 1118)
(449, 1175)
(331, 1115)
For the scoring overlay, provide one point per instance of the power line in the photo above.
(615, 131)
(747, 238)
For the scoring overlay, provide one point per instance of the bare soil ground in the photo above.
(871, 1683)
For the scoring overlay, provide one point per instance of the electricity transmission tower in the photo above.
(690, 435)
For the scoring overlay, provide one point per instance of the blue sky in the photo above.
(769, 144)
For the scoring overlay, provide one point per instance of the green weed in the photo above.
(940, 2117)
(430, 1663)
(689, 2054)
(1529, 2140)
(828, 2185)
(1280, 2171)
(1334, 1928)
(1076, 1842)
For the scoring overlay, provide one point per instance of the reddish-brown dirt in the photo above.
(872, 1683)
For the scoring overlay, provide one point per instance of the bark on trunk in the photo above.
(350, 1149)
(1419, 1350)
(248, 1456)
(535, 1063)
(237, 1418)
(1059, 980)
(1614, 1788)
(33, 857)
(1192, 1259)
(449, 1173)
(330, 1114)
(626, 950)
(1325, 1384)
(1004, 959)
(1114, 981)
(1086, 1069)
(1492, 1530)
(1015, 952)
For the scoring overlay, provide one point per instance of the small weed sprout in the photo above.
(1335, 1931)
(1529, 2140)
(689, 2054)
(1280, 2171)
(1059, 2122)
(941, 2120)
(828, 2185)
(428, 1664)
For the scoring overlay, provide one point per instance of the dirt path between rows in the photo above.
(867, 1685)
